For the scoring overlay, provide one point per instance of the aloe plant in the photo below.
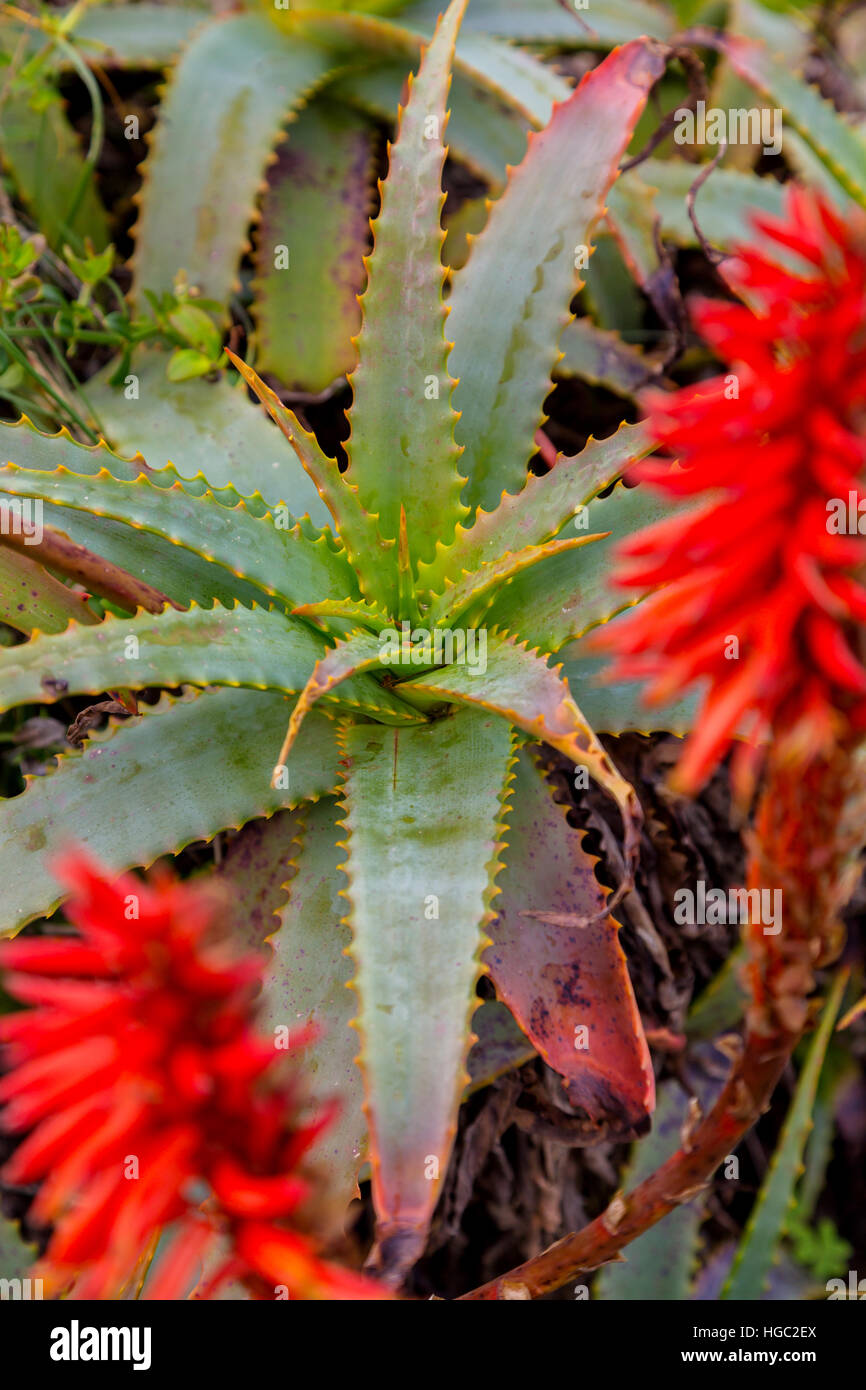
(240, 81)
(415, 629)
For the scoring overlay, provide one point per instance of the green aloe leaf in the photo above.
(251, 648)
(632, 219)
(496, 70)
(355, 611)
(423, 813)
(618, 707)
(185, 574)
(603, 358)
(539, 21)
(237, 82)
(519, 685)
(530, 88)
(282, 880)
(40, 149)
(499, 92)
(652, 200)
(151, 785)
(525, 261)
(461, 225)
(365, 549)
(567, 594)
(202, 427)
(541, 509)
(840, 148)
(786, 38)
(767, 1222)
(486, 136)
(558, 601)
(182, 576)
(237, 533)
(480, 587)
(402, 451)
(310, 246)
(612, 296)
(566, 984)
(307, 981)
(724, 204)
(357, 653)
(253, 870)
(31, 598)
(139, 36)
(500, 1045)
(23, 441)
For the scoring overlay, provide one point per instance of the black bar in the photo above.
(238, 1342)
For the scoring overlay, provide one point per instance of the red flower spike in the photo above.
(142, 1081)
(771, 452)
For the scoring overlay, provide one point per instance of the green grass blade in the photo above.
(661, 1263)
(766, 1225)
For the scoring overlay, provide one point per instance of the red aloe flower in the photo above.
(151, 1102)
(760, 593)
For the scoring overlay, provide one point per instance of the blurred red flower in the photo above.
(151, 1102)
(761, 591)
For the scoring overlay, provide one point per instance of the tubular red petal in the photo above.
(244, 1195)
(53, 956)
(831, 651)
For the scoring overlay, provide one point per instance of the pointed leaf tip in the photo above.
(402, 448)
